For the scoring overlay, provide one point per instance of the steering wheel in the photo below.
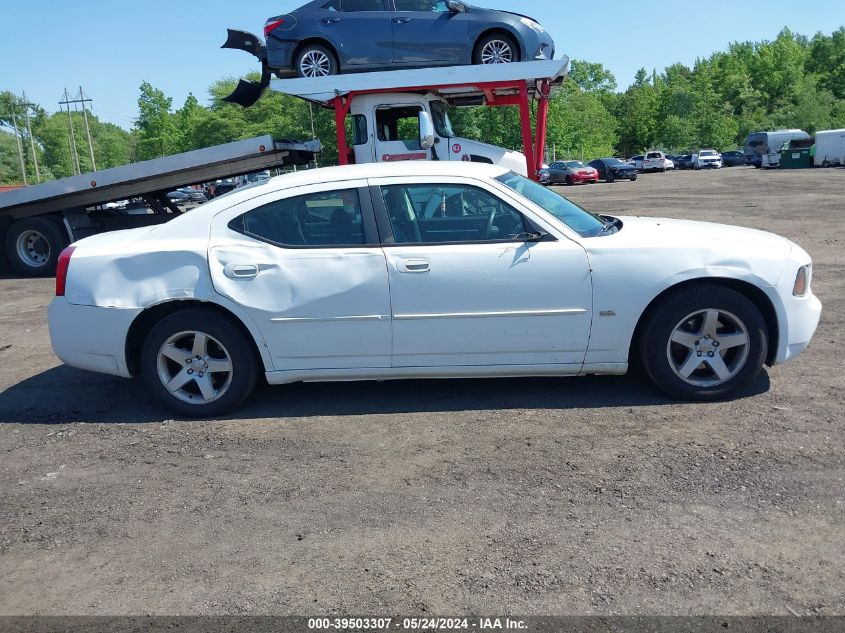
(490, 222)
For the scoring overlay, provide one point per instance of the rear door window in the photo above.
(322, 219)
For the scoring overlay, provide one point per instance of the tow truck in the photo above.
(38, 221)
(382, 104)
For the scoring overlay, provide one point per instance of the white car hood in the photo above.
(672, 250)
(665, 232)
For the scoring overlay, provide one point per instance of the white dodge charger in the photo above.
(425, 270)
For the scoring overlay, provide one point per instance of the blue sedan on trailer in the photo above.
(329, 37)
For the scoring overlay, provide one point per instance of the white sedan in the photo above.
(425, 270)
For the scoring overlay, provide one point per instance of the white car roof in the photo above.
(197, 219)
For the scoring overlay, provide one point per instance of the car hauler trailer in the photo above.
(38, 221)
(380, 101)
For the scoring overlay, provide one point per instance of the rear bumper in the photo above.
(89, 337)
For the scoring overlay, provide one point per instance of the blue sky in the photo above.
(110, 47)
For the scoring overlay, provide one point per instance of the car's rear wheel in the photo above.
(199, 363)
(609, 177)
(704, 343)
(315, 60)
(634, 177)
(569, 180)
(495, 48)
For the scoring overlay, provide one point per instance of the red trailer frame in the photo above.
(516, 93)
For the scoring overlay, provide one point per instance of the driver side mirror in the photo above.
(426, 131)
(456, 7)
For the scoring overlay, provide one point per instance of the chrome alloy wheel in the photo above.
(708, 347)
(315, 64)
(194, 367)
(497, 52)
(33, 248)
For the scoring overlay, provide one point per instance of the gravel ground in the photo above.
(552, 496)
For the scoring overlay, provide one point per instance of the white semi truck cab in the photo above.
(389, 127)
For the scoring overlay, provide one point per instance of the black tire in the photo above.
(320, 56)
(609, 177)
(479, 53)
(226, 341)
(742, 364)
(634, 177)
(33, 246)
(569, 180)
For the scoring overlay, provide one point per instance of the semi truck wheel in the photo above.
(33, 246)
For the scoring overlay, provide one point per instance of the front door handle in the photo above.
(413, 265)
(241, 271)
(401, 20)
(330, 20)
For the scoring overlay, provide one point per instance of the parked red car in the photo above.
(570, 172)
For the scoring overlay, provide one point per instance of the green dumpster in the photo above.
(797, 153)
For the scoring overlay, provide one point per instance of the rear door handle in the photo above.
(413, 265)
(241, 271)
(401, 20)
(330, 20)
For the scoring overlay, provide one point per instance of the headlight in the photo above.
(531, 24)
(802, 281)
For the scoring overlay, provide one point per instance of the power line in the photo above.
(79, 99)
(27, 105)
(74, 156)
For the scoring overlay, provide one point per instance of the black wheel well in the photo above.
(749, 291)
(497, 30)
(321, 42)
(145, 321)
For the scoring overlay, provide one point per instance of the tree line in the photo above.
(791, 81)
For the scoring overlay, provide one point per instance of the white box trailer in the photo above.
(830, 148)
(38, 221)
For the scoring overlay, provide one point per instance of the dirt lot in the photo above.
(570, 496)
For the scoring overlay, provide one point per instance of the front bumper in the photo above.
(90, 337)
(579, 178)
(629, 174)
(802, 319)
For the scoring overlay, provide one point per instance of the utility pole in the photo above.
(313, 135)
(74, 156)
(82, 99)
(20, 146)
(27, 105)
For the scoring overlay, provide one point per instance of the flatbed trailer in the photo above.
(38, 221)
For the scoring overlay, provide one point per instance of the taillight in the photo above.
(61, 270)
(272, 25)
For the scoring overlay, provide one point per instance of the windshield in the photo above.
(611, 162)
(440, 116)
(574, 164)
(582, 222)
(707, 153)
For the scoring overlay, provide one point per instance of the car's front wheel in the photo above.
(704, 343)
(495, 49)
(199, 363)
(315, 60)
